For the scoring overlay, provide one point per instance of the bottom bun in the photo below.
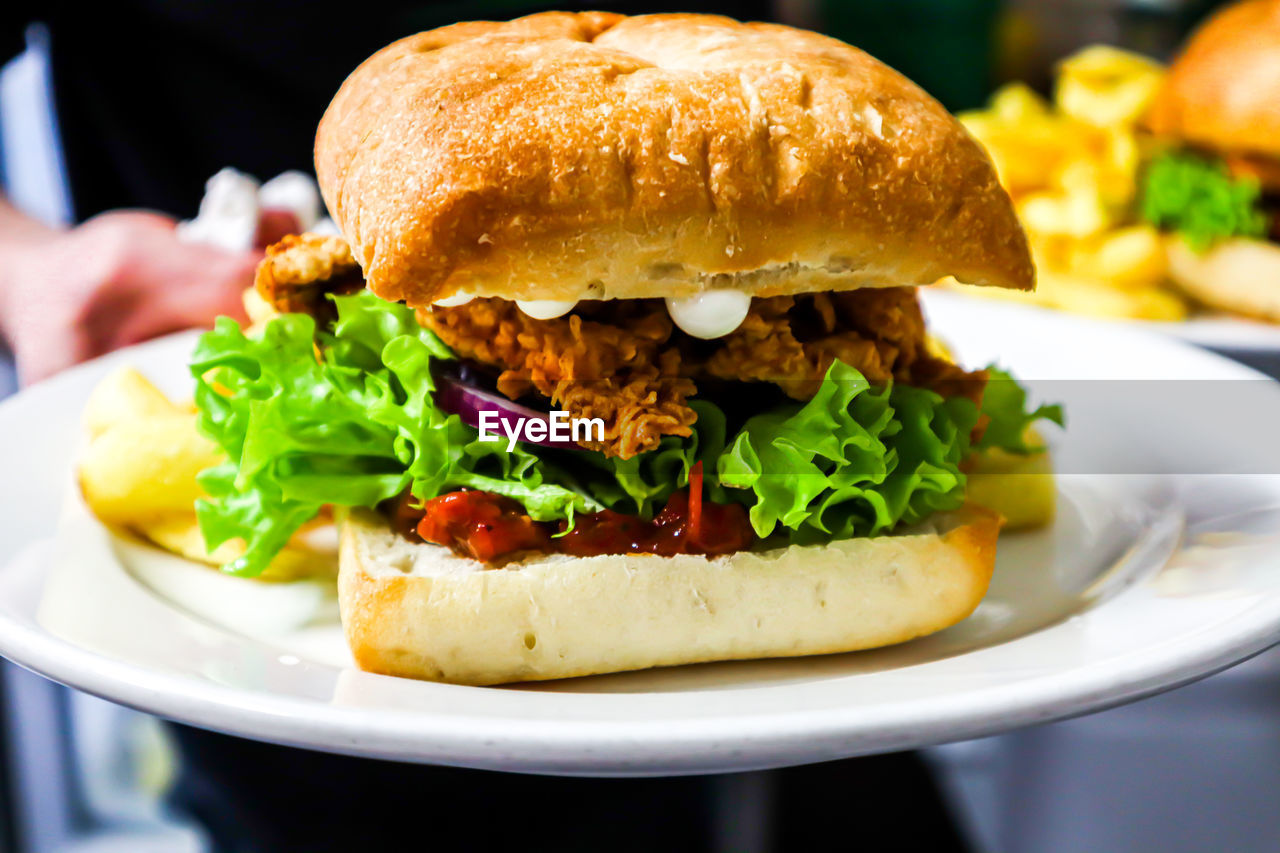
(1239, 276)
(420, 611)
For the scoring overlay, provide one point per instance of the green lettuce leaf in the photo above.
(352, 429)
(359, 425)
(641, 484)
(1004, 402)
(1200, 200)
(853, 461)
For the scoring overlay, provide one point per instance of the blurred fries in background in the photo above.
(1073, 167)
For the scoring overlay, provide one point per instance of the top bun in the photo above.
(1223, 92)
(568, 156)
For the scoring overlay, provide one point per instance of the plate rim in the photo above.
(1207, 331)
(601, 747)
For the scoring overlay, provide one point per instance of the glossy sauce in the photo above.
(487, 527)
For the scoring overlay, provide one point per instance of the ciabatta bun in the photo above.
(419, 611)
(1239, 276)
(569, 156)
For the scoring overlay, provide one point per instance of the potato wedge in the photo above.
(308, 556)
(138, 473)
(1021, 488)
(146, 467)
(122, 397)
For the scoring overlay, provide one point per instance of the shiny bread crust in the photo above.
(1223, 91)
(565, 156)
(419, 611)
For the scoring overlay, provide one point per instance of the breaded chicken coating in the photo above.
(299, 270)
(625, 362)
(610, 370)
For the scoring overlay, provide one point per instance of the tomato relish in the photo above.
(488, 527)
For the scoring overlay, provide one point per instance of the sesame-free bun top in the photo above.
(1223, 91)
(567, 156)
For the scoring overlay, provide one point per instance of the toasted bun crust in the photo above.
(419, 611)
(1240, 276)
(1223, 92)
(565, 156)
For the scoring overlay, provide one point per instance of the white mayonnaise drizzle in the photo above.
(545, 309)
(707, 315)
(459, 298)
(710, 314)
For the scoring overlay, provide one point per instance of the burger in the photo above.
(696, 239)
(1217, 184)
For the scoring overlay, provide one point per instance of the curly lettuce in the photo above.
(353, 428)
(345, 416)
(1004, 405)
(858, 461)
(1200, 200)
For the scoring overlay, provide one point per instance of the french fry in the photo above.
(1018, 102)
(1027, 153)
(1021, 488)
(1121, 160)
(1076, 214)
(1131, 258)
(1107, 87)
(181, 535)
(1091, 297)
(145, 468)
(259, 310)
(122, 397)
(1072, 168)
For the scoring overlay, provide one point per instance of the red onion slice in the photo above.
(467, 402)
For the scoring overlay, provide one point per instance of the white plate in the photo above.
(1144, 582)
(1222, 332)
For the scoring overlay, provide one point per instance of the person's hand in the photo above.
(120, 278)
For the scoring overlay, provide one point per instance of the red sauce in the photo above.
(481, 525)
(487, 527)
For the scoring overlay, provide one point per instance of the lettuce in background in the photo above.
(1199, 199)
(358, 425)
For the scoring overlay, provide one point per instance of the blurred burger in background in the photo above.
(1216, 186)
(1150, 193)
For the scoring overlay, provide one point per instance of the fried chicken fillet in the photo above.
(625, 362)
